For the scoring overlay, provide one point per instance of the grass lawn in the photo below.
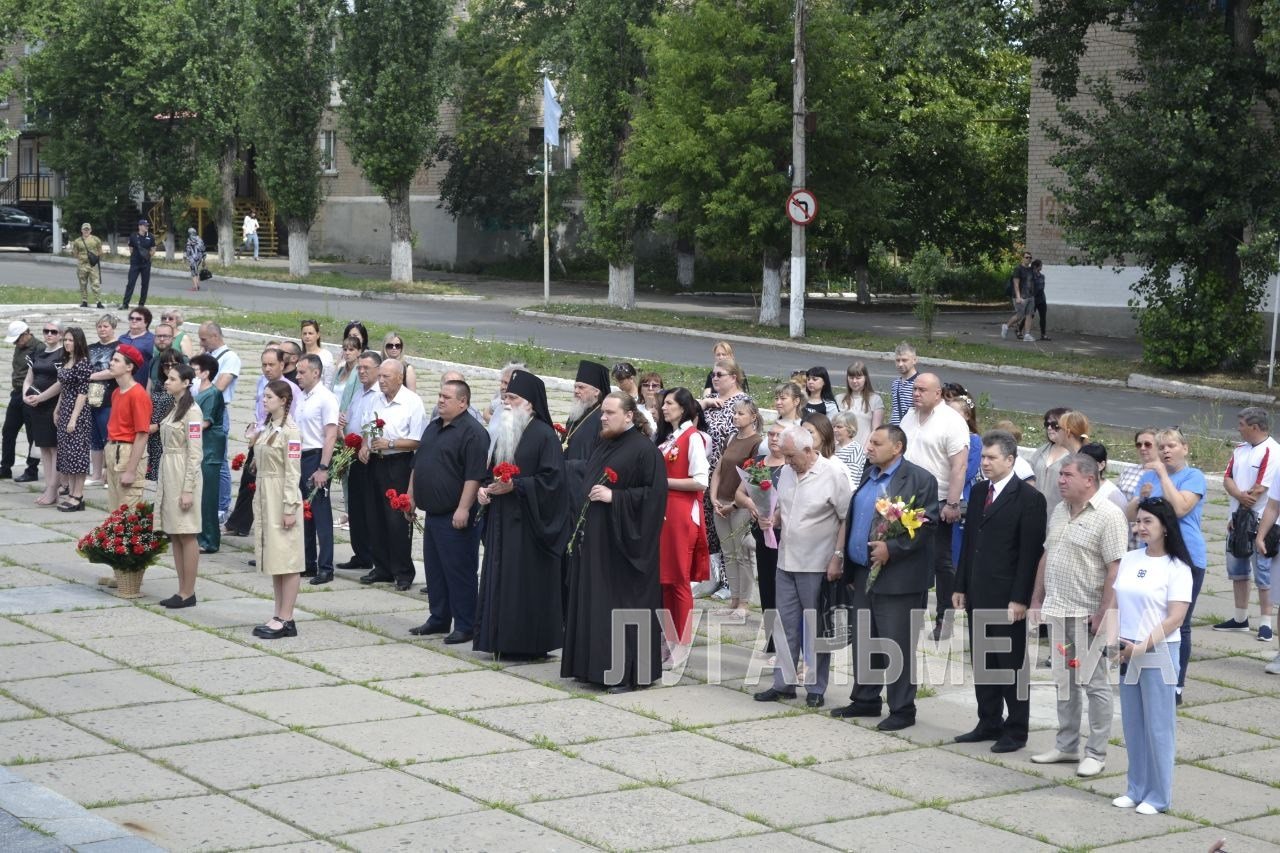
(341, 281)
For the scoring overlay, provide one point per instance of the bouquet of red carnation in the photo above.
(306, 510)
(339, 462)
(505, 471)
(403, 503)
(758, 478)
(126, 540)
(238, 462)
(609, 476)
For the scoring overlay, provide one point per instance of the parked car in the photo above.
(18, 229)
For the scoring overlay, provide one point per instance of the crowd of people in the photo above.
(598, 532)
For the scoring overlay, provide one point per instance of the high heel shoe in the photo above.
(73, 504)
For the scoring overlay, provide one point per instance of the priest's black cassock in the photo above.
(580, 441)
(617, 553)
(519, 609)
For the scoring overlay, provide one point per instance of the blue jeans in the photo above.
(1148, 714)
(251, 240)
(224, 477)
(98, 433)
(1184, 650)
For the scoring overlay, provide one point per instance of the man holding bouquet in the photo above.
(890, 564)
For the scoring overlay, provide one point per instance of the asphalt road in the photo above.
(494, 319)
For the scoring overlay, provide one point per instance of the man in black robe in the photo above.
(525, 530)
(582, 434)
(611, 629)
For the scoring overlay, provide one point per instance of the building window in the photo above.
(4, 167)
(329, 152)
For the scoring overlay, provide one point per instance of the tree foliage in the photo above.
(1173, 166)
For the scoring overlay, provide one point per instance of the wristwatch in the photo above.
(952, 504)
(323, 467)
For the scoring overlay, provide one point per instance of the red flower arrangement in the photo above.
(609, 476)
(403, 503)
(1065, 651)
(238, 462)
(126, 540)
(354, 441)
(306, 511)
(561, 429)
(757, 475)
(505, 471)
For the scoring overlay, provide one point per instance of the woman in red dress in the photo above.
(685, 556)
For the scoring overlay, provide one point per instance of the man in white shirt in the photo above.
(1250, 475)
(938, 441)
(388, 451)
(316, 413)
(250, 229)
(357, 415)
(210, 334)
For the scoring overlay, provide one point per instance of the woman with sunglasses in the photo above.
(650, 385)
(1182, 486)
(40, 394)
(1154, 589)
(726, 377)
(393, 347)
(1046, 461)
(182, 342)
(862, 400)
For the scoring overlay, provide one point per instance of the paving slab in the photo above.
(46, 739)
(1068, 817)
(919, 831)
(1117, 759)
(11, 710)
(260, 759)
(1197, 740)
(116, 622)
(235, 612)
(428, 738)
(13, 634)
(640, 819)
(92, 691)
(44, 660)
(395, 626)
(521, 777)
(174, 723)
(180, 647)
(214, 822)
(1257, 714)
(326, 706)
(699, 705)
(1197, 839)
(22, 533)
(568, 721)
(356, 801)
(474, 832)
(1242, 673)
(83, 829)
(774, 842)
(47, 599)
(805, 738)
(121, 777)
(244, 675)
(1265, 828)
(319, 634)
(462, 691)
(544, 672)
(792, 797)
(1206, 794)
(1261, 765)
(674, 757)
(393, 660)
(1199, 692)
(354, 602)
(16, 576)
(932, 774)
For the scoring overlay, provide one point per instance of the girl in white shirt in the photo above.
(1152, 593)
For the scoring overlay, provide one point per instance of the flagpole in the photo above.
(546, 222)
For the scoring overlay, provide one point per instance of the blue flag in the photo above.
(551, 111)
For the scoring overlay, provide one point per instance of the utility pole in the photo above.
(798, 174)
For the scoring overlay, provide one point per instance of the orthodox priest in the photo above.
(526, 528)
(611, 629)
(582, 434)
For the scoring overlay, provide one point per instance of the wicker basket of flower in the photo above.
(128, 542)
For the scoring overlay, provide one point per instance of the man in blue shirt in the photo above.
(142, 247)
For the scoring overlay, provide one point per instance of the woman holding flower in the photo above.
(214, 441)
(180, 480)
(732, 517)
(277, 504)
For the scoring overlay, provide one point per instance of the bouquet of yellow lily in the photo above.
(893, 518)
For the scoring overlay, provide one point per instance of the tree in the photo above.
(286, 104)
(1174, 166)
(607, 66)
(924, 274)
(392, 80)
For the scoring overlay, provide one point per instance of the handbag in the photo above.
(205, 275)
(1243, 530)
(92, 256)
(96, 395)
(835, 611)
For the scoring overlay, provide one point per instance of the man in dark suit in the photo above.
(1003, 540)
(892, 612)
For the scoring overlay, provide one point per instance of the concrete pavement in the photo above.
(185, 730)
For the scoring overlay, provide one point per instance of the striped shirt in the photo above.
(902, 397)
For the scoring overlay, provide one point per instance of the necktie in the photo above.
(991, 493)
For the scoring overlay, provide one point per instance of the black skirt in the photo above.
(39, 421)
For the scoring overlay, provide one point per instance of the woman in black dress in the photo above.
(74, 418)
(40, 393)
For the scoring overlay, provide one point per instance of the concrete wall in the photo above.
(360, 229)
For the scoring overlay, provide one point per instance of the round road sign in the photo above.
(802, 207)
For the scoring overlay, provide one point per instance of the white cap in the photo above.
(16, 330)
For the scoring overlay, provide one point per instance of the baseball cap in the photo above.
(143, 222)
(16, 330)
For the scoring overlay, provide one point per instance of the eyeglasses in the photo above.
(1144, 445)
(651, 385)
(53, 331)
(1050, 424)
(168, 316)
(719, 375)
(137, 320)
(395, 346)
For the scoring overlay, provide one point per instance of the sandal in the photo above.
(73, 504)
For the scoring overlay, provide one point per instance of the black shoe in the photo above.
(253, 562)
(857, 709)
(773, 695)
(978, 735)
(28, 476)
(309, 573)
(403, 586)
(897, 722)
(458, 637)
(123, 307)
(430, 627)
(227, 531)
(84, 304)
(6, 473)
(1007, 744)
(1045, 338)
(208, 550)
(350, 565)
(815, 700)
(286, 629)
(623, 688)
(374, 577)
(322, 578)
(423, 591)
(176, 602)
(73, 504)
(100, 305)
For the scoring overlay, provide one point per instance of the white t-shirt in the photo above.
(228, 365)
(250, 226)
(1252, 464)
(1022, 469)
(932, 444)
(1111, 492)
(864, 413)
(1144, 587)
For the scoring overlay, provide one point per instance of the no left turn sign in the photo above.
(802, 207)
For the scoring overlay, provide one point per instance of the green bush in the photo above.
(1197, 326)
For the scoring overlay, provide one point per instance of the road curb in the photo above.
(1135, 381)
(267, 284)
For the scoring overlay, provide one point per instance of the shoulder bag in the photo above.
(92, 256)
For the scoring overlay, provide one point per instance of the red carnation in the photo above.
(379, 423)
(120, 549)
(504, 471)
(766, 485)
(748, 464)
(253, 487)
(391, 493)
(611, 475)
(138, 549)
(238, 462)
(353, 441)
(306, 510)
(560, 428)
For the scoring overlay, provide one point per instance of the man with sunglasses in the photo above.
(25, 346)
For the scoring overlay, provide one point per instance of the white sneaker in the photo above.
(93, 481)
(1273, 668)
(1028, 338)
(1146, 808)
(1004, 330)
(1123, 802)
(1090, 766)
(1054, 756)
